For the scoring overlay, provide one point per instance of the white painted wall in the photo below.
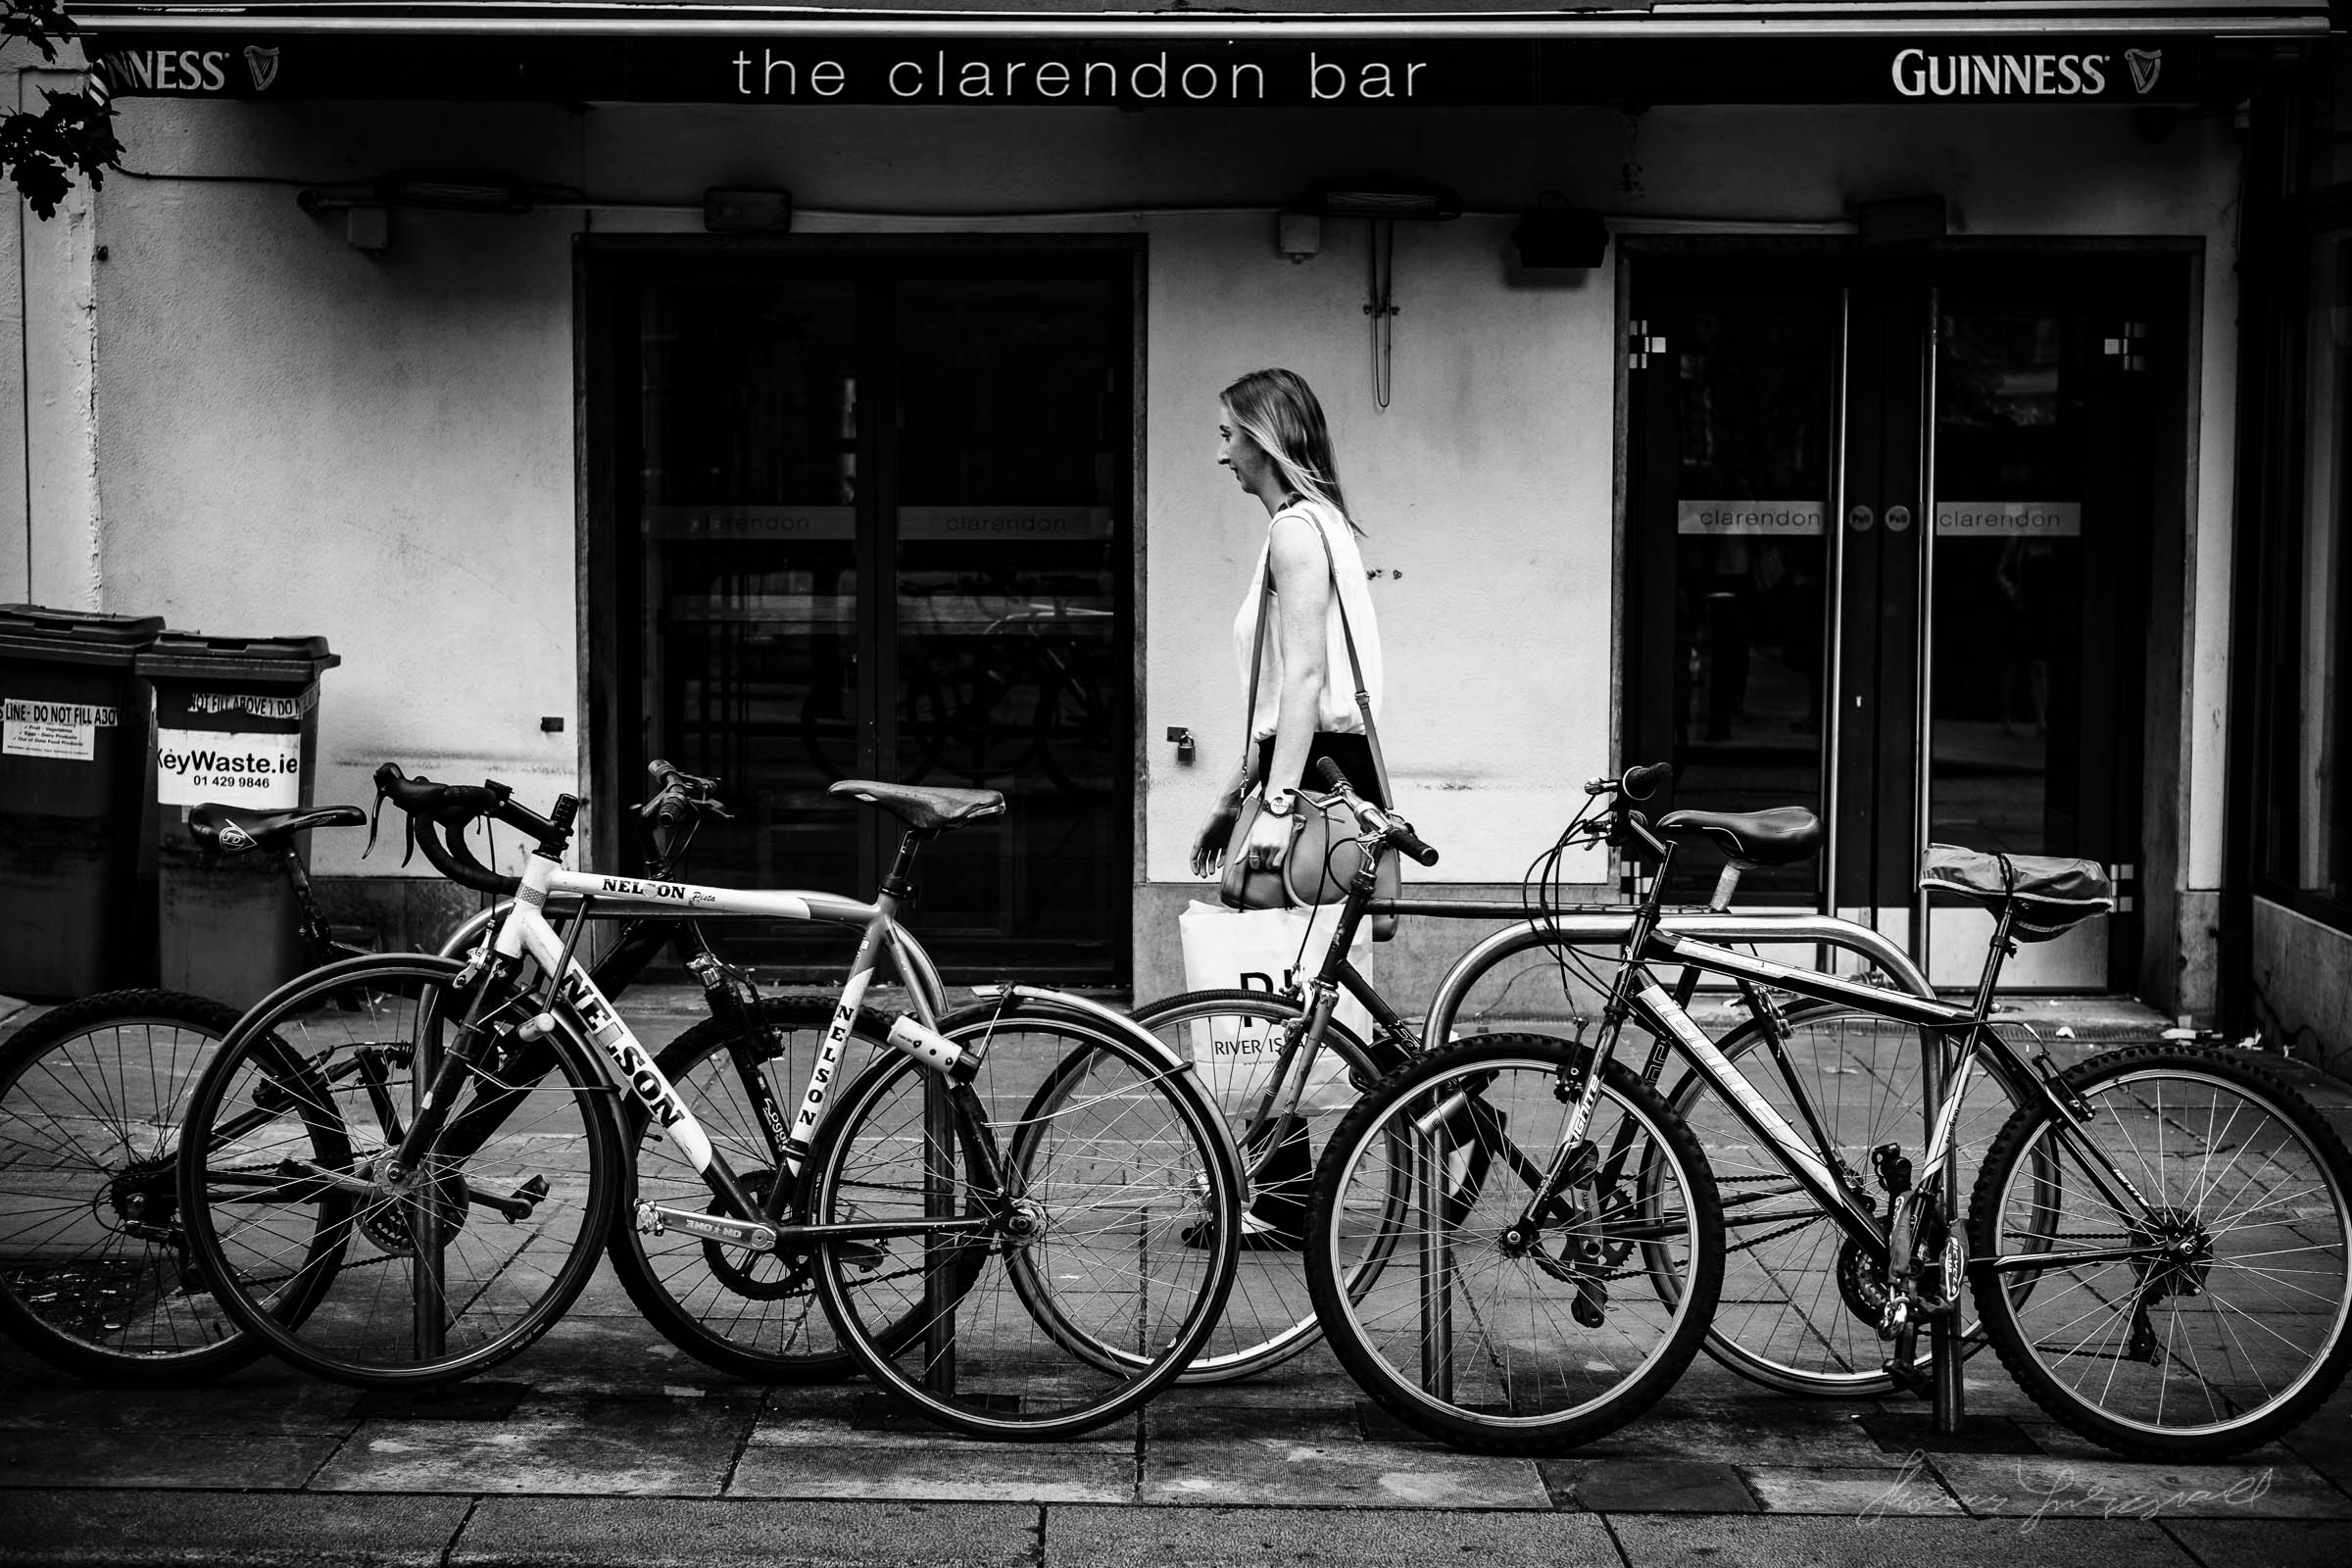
(295, 437)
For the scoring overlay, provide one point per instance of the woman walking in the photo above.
(1273, 437)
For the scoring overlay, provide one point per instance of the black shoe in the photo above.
(1282, 1181)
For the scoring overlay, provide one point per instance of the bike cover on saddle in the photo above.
(2051, 893)
(1781, 836)
(924, 811)
(233, 832)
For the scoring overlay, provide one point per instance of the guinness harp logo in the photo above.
(263, 62)
(2145, 64)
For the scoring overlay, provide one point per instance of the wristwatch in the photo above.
(1277, 802)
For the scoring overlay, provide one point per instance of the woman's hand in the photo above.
(1208, 844)
(1269, 841)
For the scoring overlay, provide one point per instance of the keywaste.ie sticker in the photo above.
(233, 767)
(64, 732)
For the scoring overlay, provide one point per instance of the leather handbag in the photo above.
(1324, 852)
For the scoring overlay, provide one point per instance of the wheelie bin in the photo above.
(74, 801)
(237, 723)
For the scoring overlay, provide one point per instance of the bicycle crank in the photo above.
(657, 1219)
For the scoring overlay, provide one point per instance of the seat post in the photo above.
(897, 884)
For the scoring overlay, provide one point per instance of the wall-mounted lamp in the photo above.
(1902, 221)
(1382, 203)
(1298, 235)
(1560, 236)
(728, 211)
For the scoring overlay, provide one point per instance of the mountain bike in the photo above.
(2159, 1241)
(973, 1195)
(94, 1270)
(1853, 1079)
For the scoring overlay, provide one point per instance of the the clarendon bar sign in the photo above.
(800, 69)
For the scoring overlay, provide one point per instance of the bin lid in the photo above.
(268, 661)
(74, 636)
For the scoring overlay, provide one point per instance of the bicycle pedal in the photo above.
(863, 1256)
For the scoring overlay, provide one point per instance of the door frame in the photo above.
(606, 269)
(2143, 950)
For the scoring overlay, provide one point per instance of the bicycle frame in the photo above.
(524, 931)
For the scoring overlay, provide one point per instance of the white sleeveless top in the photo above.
(1335, 710)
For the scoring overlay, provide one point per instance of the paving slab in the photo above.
(263, 1461)
(2262, 1543)
(1785, 1541)
(675, 1448)
(1754, 1428)
(276, 1400)
(1908, 1492)
(805, 1457)
(1646, 1485)
(137, 1528)
(591, 1532)
(1237, 1538)
(1211, 1456)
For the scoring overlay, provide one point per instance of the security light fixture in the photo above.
(1902, 221)
(1298, 235)
(1560, 237)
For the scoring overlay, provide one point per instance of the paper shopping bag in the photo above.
(1265, 950)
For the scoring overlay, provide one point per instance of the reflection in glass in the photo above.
(749, 530)
(2308, 847)
(1752, 488)
(2008, 571)
(1007, 550)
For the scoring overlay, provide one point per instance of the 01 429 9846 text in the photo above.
(237, 768)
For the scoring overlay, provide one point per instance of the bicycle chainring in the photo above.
(1862, 1283)
(739, 1268)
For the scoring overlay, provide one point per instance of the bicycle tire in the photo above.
(1798, 1311)
(1113, 1180)
(1268, 1317)
(430, 1279)
(2163, 1115)
(761, 1319)
(1515, 1369)
(93, 1260)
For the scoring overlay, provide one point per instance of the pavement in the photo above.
(603, 1444)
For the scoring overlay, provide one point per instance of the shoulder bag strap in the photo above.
(1257, 657)
(1363, 696)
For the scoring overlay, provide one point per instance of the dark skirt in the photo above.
(1353, 754)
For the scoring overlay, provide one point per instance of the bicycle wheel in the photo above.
(1800, 1302)
(1107, 1220)
(430, 1276)
(754, 1317)
(1477, 1333)
(1268, 1317)
(2198, 1312)
(94, 1275)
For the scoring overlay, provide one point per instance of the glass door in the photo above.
(2036, 569)
(880, 531)
(1888, 553)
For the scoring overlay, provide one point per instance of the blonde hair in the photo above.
(1277, 409)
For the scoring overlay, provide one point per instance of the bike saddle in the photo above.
(2051, 892)
(230, 832)
(1781, 836)
(924, 811)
